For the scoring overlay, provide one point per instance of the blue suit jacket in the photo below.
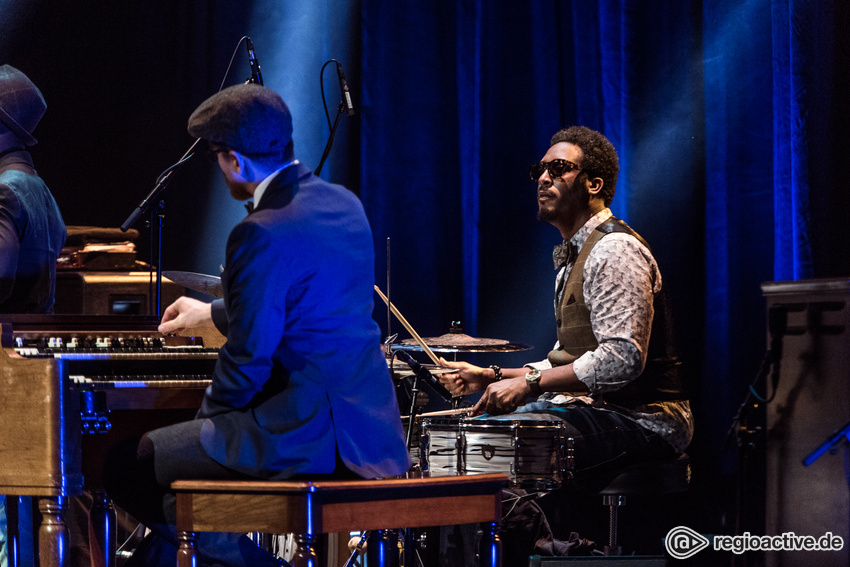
(301, 375)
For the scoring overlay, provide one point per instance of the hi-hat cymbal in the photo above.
(460, 342)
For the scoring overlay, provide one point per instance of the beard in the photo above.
(237, 190)
(571, 198)
(547, 213)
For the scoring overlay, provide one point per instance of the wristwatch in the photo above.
(533, 381)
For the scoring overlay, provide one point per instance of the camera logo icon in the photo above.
(683, 542)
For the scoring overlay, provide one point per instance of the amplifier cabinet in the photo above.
(111, 293)
(810, 321)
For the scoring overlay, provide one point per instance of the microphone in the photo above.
(423, 374)
(346, 95)
(256, 76)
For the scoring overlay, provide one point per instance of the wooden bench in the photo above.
(307, 509)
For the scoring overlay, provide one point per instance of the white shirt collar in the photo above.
(264, 184)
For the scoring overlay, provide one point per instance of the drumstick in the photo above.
(458, 411)
(407, 326)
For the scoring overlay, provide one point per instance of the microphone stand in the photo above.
(144, 205)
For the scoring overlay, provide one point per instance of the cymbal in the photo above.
(460, 342)
(210, 285)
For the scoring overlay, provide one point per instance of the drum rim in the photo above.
(479, 422)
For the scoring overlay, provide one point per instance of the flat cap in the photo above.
(21, 104)
(248, 118)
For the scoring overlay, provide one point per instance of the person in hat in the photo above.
(32, 231)
(301, 386)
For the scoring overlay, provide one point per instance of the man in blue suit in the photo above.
(301, 386)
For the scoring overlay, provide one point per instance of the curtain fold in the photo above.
(792, 249)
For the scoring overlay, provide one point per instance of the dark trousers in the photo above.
(138, 476)
(604, 440)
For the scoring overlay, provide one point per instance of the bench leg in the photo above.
(12, 537)
(52, 534)
(102, 530)
(490, 553)
(382, 549)
(186, 551)
(305, 553)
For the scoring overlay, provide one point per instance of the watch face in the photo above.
(533, 375)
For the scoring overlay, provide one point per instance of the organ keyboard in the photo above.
(71, 386)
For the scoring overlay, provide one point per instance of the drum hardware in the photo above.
(419, 372)
(424, 372)
(356, 548)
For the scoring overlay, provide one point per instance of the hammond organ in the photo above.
(72, 387)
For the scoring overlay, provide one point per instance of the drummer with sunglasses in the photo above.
(613, 375)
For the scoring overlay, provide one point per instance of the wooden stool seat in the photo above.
(307, 509)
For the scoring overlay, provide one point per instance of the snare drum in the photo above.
(535, 455)
(452, 415)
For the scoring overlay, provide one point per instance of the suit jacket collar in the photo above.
(284, 186)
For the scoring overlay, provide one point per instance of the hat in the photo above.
(248, 118)
(21, 104)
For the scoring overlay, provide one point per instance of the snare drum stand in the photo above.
(411, 415)
(410, 543)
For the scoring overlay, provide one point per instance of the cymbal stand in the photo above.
(414, 392)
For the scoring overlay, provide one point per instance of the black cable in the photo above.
(322, 89)
(188, 155)
(229, 65)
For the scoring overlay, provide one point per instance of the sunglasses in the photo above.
(556, 168)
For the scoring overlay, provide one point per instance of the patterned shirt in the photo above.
(621, 278)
